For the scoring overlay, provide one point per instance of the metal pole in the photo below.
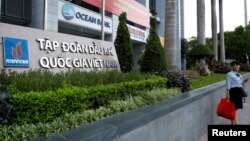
(245, 5)
(0, 9)
(103, 18)
(45, 14)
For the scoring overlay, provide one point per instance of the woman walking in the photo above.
(234, 84)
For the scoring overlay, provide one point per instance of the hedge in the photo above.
(35, 107)
(44, 80)
(26, 132)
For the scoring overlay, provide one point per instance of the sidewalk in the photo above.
(243, 114)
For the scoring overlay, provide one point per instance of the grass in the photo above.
(203, 81)
(44, 80)
(206, 80)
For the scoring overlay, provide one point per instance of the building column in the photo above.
(115, 21)
(52, 15)
(38, 15)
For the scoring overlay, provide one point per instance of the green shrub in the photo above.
(245, 67)
(154, 52)
(219, 67)
(175, 79)
(123, 45)
(43, 80)
(201, 51)
(101, 95)
(74, 120)
(6, 107)
(45, 106)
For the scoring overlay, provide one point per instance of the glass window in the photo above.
(152, 4)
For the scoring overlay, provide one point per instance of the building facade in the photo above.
(83, 18)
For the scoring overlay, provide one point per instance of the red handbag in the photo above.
(226, 109)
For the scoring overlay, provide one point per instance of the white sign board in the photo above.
(137, 34)
(76, 15)
(29, 48)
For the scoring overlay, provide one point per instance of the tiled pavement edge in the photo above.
(243, 114)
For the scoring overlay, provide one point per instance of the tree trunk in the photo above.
(201, 22)
(222, 44)
(214, 29)
(170, 33)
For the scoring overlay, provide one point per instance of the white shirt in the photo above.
(234, 79)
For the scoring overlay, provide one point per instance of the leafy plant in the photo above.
(26, 131)
(6, 107)
(175, 79)
(201, 51)
(36, 107)
(237, 44)
(184, 48)
(154, 51)
(43, 80)
(123, 45)
(245, 67)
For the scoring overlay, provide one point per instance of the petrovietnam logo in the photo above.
(68, 11)
(16, 51)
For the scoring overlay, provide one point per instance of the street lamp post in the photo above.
(245, 9)
(103, 17)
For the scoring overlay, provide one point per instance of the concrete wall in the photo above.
(184, 118)
(36, 53)
(186, 123)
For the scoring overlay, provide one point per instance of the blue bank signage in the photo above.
(16, 52)
(80, 16)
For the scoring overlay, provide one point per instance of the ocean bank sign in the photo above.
(80, 16)
(16, 52)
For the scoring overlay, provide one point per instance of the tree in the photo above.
(170, 33)
(184, 52)
(200, 52)
(201, 22)
(238, 43)
(214, 29)
(123, 45)
(154, 51)
(222, 43)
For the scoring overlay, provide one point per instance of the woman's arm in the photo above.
(227, 94)
(245, 81)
